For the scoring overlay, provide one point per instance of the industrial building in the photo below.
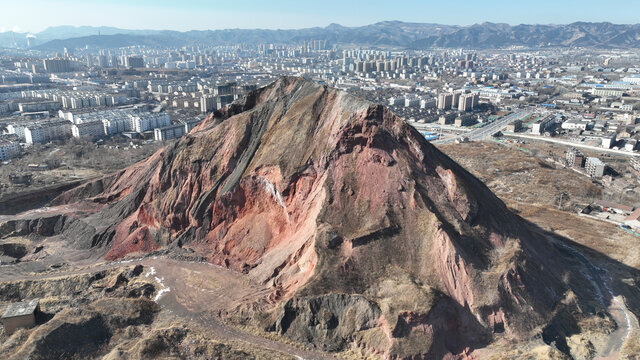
(542, 125)
(575, 124)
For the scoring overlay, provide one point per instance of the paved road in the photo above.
(437, 127)
(572, 144)
(490, 129)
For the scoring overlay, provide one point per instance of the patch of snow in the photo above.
(161, 292)
(271, 189)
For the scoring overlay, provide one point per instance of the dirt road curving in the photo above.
(625, 320)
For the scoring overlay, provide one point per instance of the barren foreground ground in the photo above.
(165, 308)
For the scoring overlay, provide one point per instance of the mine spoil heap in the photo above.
(361, 232)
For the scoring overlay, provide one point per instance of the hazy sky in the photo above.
(36, 15)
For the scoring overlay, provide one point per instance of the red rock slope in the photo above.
(361, 230)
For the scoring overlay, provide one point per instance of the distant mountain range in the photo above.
(387, 33)
(12, 39)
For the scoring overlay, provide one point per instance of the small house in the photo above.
(20, 315)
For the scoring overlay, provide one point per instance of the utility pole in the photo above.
(562, 195)
(560, 201)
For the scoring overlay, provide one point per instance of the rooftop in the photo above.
(609, 204)
(21, 309)
(595, 161)
(634, 216)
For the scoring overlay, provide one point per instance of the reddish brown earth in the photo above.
(362, 233)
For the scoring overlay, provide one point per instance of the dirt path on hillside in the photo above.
(197, 291)
(625, 320)
(189, 291)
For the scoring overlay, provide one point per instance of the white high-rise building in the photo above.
(468, 102)
(89, 129)
(145, 122)
(45, 131)
(594, 167)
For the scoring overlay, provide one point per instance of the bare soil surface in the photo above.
(197, 291)
(191, 292)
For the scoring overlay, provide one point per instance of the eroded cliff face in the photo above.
(313, 193)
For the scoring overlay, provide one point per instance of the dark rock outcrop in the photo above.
(328, 320)
(43, 226)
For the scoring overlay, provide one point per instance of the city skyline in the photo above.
(36, 15)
